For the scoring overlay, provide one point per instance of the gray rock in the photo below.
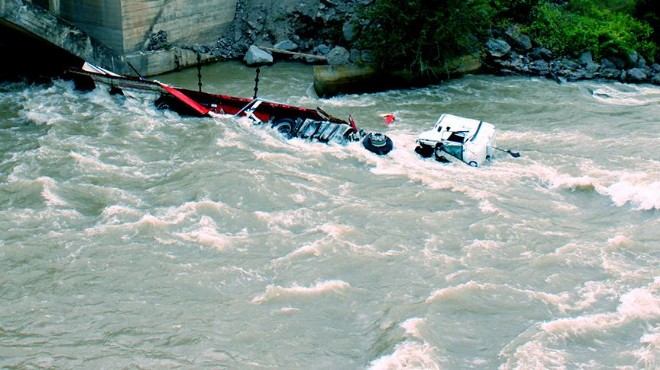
(349, 31)
(635, 60)
(497, 48)
(338, 56)
(655, 79)
(256, 56)
(286, 45)
(607, 64)
(586, 58)
(541, 53)
(356, 56)
(158, 41)
(518, 40)
(323, 49)
(367, 56)
(610, 73)
(636, 75)
(540, 67)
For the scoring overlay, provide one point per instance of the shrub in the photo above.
(420, 34)
(581, 25)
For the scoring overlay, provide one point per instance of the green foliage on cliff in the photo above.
(579, 25)
(421, 35)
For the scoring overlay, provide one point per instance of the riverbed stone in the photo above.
(541, 53)
(518, 39)
(655, 79)
(286, 45)
(497, 48)
(338, 56)
(540, 67)
(349, 31)
(256, 56)
(636, 75)
(610, 73)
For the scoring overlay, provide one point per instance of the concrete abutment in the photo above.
(110, 33)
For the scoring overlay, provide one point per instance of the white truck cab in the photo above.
(466, 139)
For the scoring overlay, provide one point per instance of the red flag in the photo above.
(389, 119)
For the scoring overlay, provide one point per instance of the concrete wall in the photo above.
(101, 19)
(41, 26)
(126, 25)
(120, 29)
(186, 22)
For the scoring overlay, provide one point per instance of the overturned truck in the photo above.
(290, 121)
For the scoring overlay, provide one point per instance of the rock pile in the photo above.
(513, 53)
(328, 28)
(310, 27)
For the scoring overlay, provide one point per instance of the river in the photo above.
(135, 238)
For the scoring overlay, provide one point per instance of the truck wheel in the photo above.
(284, 127)
(424, 151)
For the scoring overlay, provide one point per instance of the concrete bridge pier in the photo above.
(36, 42)
(108, 33)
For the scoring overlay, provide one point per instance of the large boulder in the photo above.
(519, 40)
(338, 56)
(256, 56)
(286, 45)
(636, 75)
(497, 48)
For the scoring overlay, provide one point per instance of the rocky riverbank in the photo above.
(324, 32)
(514, 53)
(325, 28)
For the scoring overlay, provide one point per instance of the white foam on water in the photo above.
(625, 94)
(44, 116)
(411, 326)
(648, 356)
(277, 221)
(487, 207)
(312, 249)
(351, 100)
(565, 181)
(639, 309)
(91, 164)
(48, 194)
(334, 235)
(336, 231)
(408, 355)
(457, 177)
(534, 355)
(641, 190)
(638, 190)
(145, 223)
(121, 218)
(207, 235)
(640, 304)
(114, 215)
(473, 290)
(275, 292)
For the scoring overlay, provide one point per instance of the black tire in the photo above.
(424, 151)
(163, 104)
(284, 127)
(378, 143)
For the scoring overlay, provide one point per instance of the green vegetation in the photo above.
(421, 35)
(579, 25)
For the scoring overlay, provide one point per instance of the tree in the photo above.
(419, 35)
